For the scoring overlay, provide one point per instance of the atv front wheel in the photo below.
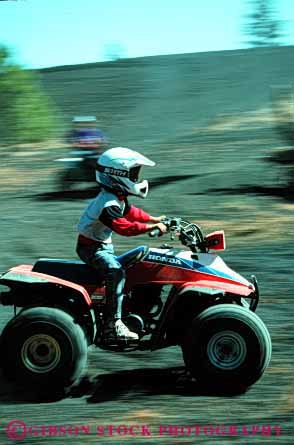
(227, 348)
(44, 347)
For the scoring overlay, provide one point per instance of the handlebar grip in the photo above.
(155, 232)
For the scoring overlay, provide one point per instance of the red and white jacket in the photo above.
(108, 213)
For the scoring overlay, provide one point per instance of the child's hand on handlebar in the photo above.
(157, 229)
(162, 227)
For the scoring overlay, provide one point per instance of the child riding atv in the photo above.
(117, 173)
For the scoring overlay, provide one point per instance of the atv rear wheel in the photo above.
(227, 348)
(44, 347)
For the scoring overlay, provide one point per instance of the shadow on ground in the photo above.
(114, 386)
(16, 393)
(282, 157)
(91, 192)
(285, 192)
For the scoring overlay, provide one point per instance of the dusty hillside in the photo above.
(206, 120)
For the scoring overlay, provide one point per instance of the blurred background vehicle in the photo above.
(86, 142)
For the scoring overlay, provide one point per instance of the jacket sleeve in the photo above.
(133, 213)
(112, 217)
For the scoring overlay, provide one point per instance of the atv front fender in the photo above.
(216, 287)
(210, 288)
(251, 291)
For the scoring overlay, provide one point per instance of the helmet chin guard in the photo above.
(140, 189)
(118, 169)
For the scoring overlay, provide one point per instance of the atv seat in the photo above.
(75, 271)
(81, 273)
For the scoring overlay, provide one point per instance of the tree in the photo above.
(26, 113)
(113, 51)
(283, 113)
(263, 26)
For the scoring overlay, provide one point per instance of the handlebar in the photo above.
(155, 232)
(189, 234)
(168, 222)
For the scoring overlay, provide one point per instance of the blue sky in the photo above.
(59, 32)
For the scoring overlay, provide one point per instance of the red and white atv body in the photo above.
(189, 298)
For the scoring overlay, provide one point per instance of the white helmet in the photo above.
(118, 169)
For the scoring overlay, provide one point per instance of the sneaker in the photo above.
(122, 331)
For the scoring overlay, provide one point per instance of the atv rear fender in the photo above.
(25, 288)
(23, 277)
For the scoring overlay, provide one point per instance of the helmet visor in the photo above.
(134, 173)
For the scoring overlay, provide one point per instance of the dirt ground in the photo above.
(148, 389)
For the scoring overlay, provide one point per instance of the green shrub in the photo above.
(26, 112)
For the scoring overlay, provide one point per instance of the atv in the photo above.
(187, 297)
(79, 167)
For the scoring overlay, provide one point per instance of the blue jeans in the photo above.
(101, 257)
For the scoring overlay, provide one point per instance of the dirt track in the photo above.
(149, 389)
